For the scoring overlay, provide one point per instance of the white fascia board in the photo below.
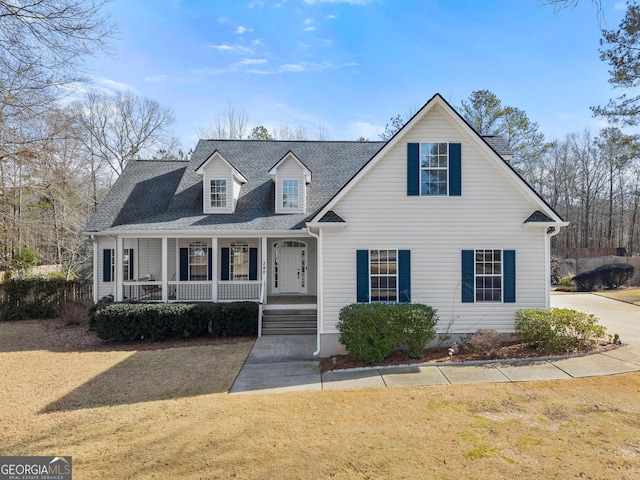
(203, 233)
(327, 225)
(545, 224)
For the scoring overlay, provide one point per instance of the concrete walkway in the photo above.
(281, 363)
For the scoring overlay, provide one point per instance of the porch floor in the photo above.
(292, 300)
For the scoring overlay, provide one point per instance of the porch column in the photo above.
(214, 269)
(118, 266)
(165, 270)
(95, 271)
(265, 269)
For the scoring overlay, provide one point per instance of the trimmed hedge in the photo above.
(122, 322)
(558, 330)
(610, 276)
(371, 331)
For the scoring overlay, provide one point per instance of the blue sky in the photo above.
(350, 65)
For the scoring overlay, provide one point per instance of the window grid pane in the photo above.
(198, 261)
(290, 193)
(219, 193)
(239, 262)
(488, 275)
(434, 165)
(383, 273)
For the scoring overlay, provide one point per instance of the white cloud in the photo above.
(309, 29)
(113, 85)
(240, 30)
(231, 48)
(223, 20)
(308, 21)
(252, 61)
(620, 6)
(222, 48)
(256, 3)
(332, 17)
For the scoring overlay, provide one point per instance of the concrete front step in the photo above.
(289, 322)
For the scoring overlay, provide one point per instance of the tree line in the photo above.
(64, 142)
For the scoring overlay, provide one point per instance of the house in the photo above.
(435, 215)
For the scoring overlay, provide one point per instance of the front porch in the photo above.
(266, 270)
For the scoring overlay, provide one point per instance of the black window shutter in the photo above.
(509, 261)
(106, 265)
(224, 264)
(210, 264)
(404, 274)
(455, 169)
(413, 169)
(362, 275)
(253, 264)
(184, 264)
(468, 269)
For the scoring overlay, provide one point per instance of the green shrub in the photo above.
(127, 321)
(371, 332)
(483, 343)
(559, 329)
(417, 326)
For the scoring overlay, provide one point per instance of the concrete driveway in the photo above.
(619, 317)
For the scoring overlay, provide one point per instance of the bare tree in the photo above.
(232, 124)
(122, 126)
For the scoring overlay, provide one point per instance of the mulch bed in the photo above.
(508, 350)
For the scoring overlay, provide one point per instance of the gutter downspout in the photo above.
(318, 238)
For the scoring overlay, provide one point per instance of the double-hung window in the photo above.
(198, 261)
(383, 266)
(383, 276)
(219, 193)
(434, 168)
(239, 261)
(290, 194)
(488, 275)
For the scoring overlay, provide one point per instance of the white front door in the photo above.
(290, 269)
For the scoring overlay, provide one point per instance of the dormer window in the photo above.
(291, 178)
(221, 184)
(218, 194)
(290, 194)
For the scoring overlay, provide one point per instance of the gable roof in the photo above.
(236, 173)
(494, 144)
(167, 195)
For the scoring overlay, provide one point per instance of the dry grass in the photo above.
(629, 295)
(165, 414)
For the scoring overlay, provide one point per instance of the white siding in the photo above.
(149, 258)
(489, 214)
(109, 288)
(291, 170)
(217, 170)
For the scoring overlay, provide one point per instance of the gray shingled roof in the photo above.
(499, 144)
(167, 195)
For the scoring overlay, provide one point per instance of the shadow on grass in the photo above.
(163, 374)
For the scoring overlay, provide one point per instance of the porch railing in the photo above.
(151, 291)
(232, 291)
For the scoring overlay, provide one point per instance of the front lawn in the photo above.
(165, 413)
(629, 295)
